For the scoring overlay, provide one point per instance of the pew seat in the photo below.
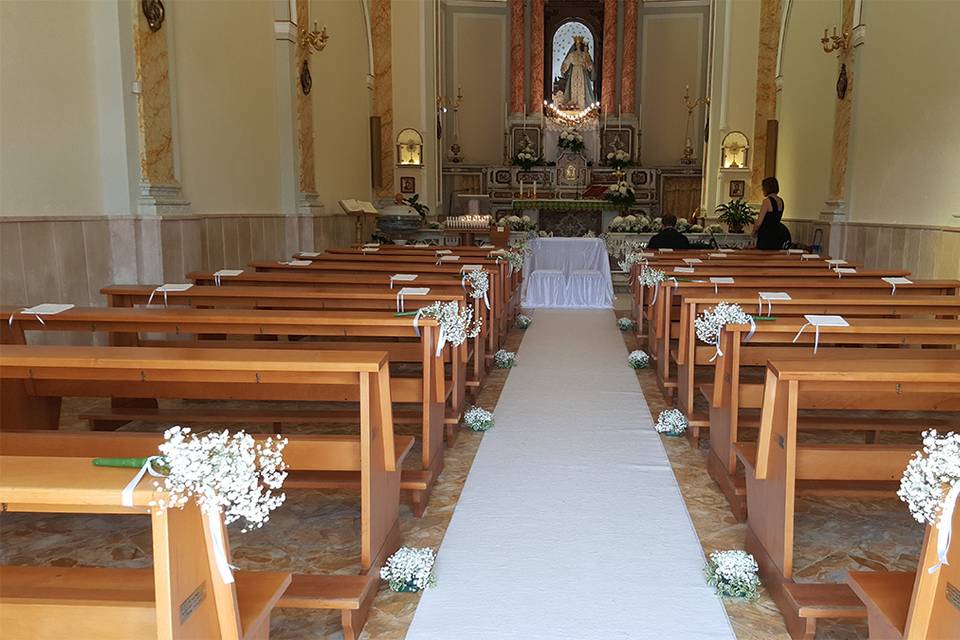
(351, 595)
(888, 594)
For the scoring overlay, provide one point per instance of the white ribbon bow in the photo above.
(816, 338)
(22, 309)
(746, 338)
(224, 567)
(126, 496)
(164, 291)
(400, 301)
(945, 527)
(441, 337)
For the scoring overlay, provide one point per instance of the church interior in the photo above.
(476, 319)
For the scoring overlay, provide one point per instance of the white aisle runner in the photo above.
(571, 524)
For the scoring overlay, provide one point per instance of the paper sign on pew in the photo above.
(225, 273)
(835, 262)
(448, 259)
(40, 310)
(841, 271)
(664, 250)
(683, 270)
(470, 267)
(310, 254)
(168, 288)
(692, 260)
(769, 297)
(409, 291)
(810, 256)
(297, 263)
(717, 280)
(728, 250)
(717, 255)
(443, 252)
(794, 250)
(402, 277)
(820, 321)
(894, 281)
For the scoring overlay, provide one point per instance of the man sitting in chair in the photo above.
(669, 237)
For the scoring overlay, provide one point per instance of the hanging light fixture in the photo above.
(571, 118)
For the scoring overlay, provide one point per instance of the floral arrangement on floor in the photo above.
(479, 283)
(517, 223)
(710, 322)
(618, 159)
(571, 140)
(225, 473)
(620, 194)
(504, 359)
(637, 359)
(524, 321)
(651, 277)
(625, 324)
(733, 574)
(527, 159)
(478, 419)
(409, 569)
(715, 228)
(456, 324)
(629, 224)
(671, 422)
(930, 486)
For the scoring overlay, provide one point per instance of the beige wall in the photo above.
(48, 114)
(905, 146)
(806, 105)
(226, 105)
(673, 52)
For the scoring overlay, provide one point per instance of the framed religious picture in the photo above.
(525, 139)
(737, 188)
(616, 138)
(408, 184)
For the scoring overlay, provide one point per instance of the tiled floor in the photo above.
(317, 532)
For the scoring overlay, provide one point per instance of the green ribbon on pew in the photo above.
(763, 317)
(404, 314)
(132, 463)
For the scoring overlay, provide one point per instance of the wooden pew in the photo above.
(913, 605)
(777, 461)
(429, 390)
(182, 597)
(730, 396)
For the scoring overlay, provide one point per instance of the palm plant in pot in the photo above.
(736, 214)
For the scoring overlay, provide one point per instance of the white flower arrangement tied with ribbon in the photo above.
(456, 324)
(650, 277)
(671, 422)
(733, 574)
(630, 259)
(930, 486)
(479, 285)
(409, 569)
(524, 321)
(478, 419)
(638, 359)
(504, 359)
(625, 324)
(710, 323)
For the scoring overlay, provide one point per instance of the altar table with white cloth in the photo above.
(567, 273)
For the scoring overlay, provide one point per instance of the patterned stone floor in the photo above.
(317, 532)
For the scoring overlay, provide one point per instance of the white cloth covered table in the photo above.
(567, 272)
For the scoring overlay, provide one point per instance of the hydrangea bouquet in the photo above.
(629, 224)
(620, 194)
(637, 359)
(517, 223)
(504, 359)
(618, 159)
(571, 140)
(526, 159)
(409, 569)
(733, 574)
(682, 225)
(625, 324)
(671, 422)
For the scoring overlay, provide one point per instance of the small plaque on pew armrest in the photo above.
(414, 291)
(717, 255)
(449, 258)
(297, 263)
(683, 269)
(170, 287)
(692, 260)
(223, 273)
(774, 295)
(470, 267)
(664, 250)
(810, 256)
(46, 309)
(721, 280)
(310, 254)
(826, 321)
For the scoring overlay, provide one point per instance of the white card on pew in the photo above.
(404, 277)
(683, 270)
(47, 309)
(414, 291)
(836, 261)
(728, 250)
(486, 246)
(372, 245)
(174, 287)
(845, 270)
(692, 260)
(648, 255)
(717, 255)
(443, 252)
(369, 249)
(310, 254)
(228, 272)
(897, 280)
(794, 250)
(826, 321)
(449, 258)
(774, 295)
(471, 267)
(810, 256)
(298, 263)
(664, 250)
(724, 280)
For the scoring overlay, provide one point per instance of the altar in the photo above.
(567, 273)
(567, 218)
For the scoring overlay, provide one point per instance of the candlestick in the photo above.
(534, 188)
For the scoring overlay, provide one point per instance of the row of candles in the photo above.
(469, 221)
(534, 194)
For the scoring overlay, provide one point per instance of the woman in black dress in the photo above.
(771, 233)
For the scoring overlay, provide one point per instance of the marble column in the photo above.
(536, 56)
(306, 173)
(766, 90)
(160, 190)
(383, 90)
(609, 70)
(628, 71)
(841, 120)
(516, 57)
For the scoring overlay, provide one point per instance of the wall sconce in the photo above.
(314, 41)
(835, 42)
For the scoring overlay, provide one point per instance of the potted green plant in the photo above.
(736, 215)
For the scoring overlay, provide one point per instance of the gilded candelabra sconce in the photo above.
(688, 143)
(154, 12)
(314, 41)
(838, 43)
(443, 106)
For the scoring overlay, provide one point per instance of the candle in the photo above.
(521, 188)
(534, 188)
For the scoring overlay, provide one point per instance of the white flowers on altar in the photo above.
(570, 139)
(618, 159)
(733, 574)
(930, 475)
(504, 359)
(716, 228)
(629, 224)
(682, 225)
(637, 359)
(524, 321)
(620, 194)
(478, 419)
(230, 474)
(457, 324)
(626, 324)
(695, 228)
(671, 422)
(650, 277)
(479, 283)
(409, 569)
(711, 322)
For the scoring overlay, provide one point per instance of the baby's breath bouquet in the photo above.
(733, 574)
(630, 259)
(625, 324)
(638, 359)
(409, 569)
(524, 321)
(479, 283)
(504, 359)
(650, 277)
(456, 324)
(478, 419)
(930, 474)
(671, 422)
(710, 322)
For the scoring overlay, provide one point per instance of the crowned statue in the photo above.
(577, 72)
